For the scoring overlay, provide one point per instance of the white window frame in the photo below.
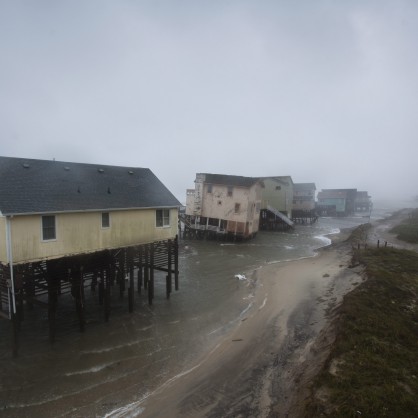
(108, 226)
(165, 217)
(42, 228)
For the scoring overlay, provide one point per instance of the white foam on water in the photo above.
(116, 347)
(94, 369)
(246, 309)
(134, 409)
(263, 304)
(327, 241)
(291, 259)
(215, 330)
(49, 399)
(129, 411)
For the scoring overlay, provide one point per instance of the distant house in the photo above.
(304, 196)
(337, 202)
(276, 204)
(223, 205)
(304, 205)
(362, 202)
(64, 222)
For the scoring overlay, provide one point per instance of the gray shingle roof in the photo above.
(42, 186)
(299, 187)
(229, 180)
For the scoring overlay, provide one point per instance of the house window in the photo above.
(278, 187)
(162, 217)
(48, 228)
(219, 202)
(209, 188)
(105, 220)
(230, 189)
(237, 207)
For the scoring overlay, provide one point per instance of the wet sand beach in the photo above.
(258, 369)
(263, 367)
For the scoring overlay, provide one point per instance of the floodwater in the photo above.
(107, 370)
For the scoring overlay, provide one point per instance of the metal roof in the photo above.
(44, 186)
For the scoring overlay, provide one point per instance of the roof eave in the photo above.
(90, 210)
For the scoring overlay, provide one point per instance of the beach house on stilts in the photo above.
(276, 206)
(304, 205)
(336, 202)
(68, 227)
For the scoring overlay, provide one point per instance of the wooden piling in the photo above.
(52, 308)
(176, 263)
(146, 268)
(139, 285)
(101, 287)
(15, 335)
(151, 275)
(131, 285)
(80, 300)
(70, 275)
(19, 306)
(107, 294)
(168, 277)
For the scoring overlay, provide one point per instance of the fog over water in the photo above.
(323, 91)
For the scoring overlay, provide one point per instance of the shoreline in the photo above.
(256, 368)
(260, 365)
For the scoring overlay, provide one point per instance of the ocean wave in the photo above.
(327, 241)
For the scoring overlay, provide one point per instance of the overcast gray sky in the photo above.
(324, 91)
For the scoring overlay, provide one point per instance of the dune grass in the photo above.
(372, 370)
(408, 229)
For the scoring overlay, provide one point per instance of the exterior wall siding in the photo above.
(217, 204)
(234, 208)
(226, 208)
(78, 233)
(3, 248)
(279, 199)
(190, 202)
(304, 200)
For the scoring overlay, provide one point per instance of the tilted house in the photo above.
(276, 204)
(65, 224)
(224, 205)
